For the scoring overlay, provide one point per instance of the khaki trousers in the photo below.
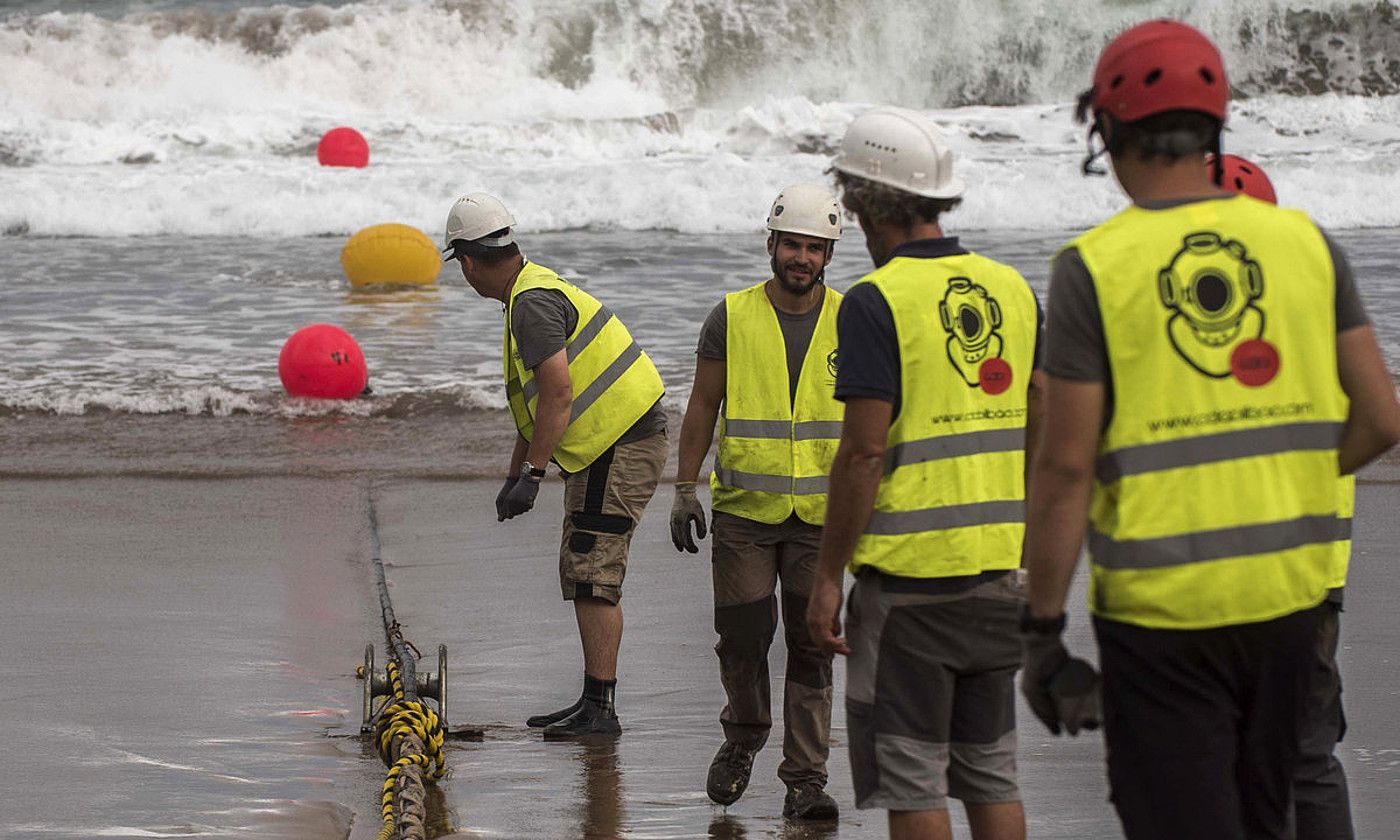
(752, 562)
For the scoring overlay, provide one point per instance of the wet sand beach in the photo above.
(180, 656)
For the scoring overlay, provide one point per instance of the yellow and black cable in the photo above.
(400, 719)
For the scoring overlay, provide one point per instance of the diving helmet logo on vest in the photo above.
(971, 317)
(831, 364)
(1211, 286)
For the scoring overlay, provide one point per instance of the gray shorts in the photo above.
(930, 691)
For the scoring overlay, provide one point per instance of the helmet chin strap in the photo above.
(1217, 165)
(1090, 166)
(1082, 110)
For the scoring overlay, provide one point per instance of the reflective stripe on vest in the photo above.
(576, 344)
(952, 499)
(760, 483)
(1221, 446)
(614, 383)
(1215, 498)
(954, 446)
(775, 449)
(943, 518)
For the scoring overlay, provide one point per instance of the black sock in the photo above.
(603, 693)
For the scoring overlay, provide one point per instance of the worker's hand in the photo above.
(824, 616)
(686, 509)
(501, 497)
(1061, 690)
(519, 498)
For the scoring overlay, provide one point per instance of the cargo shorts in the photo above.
(602, 505)
(930, 694)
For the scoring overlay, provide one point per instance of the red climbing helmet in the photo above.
(1158, 66)
(1239, 175)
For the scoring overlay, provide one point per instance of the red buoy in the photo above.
(322, 361)
(343, 147)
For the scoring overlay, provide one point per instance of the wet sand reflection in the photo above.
(601, 812)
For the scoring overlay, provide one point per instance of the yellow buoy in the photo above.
(390, 254)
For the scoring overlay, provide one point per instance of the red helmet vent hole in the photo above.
(1207, 75)
(1117, 80)
(1239, 183)
(1153, 77)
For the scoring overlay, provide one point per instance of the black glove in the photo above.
(519, 498)
(1060, 689)
(501, 497)
(685, 510)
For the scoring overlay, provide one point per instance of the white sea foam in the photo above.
(1332, 154)
(123, 396)
(617, 116)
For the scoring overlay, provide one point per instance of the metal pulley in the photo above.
(428, 686)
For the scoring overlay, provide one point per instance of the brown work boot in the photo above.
(729, 773)
(807, 801)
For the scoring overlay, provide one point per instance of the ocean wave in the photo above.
(197, 119)
(465, 58)
(219, 401)
(447, 401)
(706, 172)
(434, 78)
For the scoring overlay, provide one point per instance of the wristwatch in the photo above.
(530, 471)
(1031, 624)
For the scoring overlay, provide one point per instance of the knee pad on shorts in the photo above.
(587, 527)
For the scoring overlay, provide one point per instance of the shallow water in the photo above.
(159, 356)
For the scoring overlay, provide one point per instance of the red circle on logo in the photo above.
(994, 376)
(1254, 362)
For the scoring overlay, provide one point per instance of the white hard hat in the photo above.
(899, 148)
(474, 217)
(807, 209)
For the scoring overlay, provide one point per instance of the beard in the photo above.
(795, 283)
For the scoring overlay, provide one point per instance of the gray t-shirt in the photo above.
(541, 321)
(797, 337)
(1074, 344)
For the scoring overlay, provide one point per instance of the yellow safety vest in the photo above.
(952, 499)
(775, 450)
(614, 383)
(1216, 487)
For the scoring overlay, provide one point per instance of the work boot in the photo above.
(729, 773)
(589, 720)
(807, 801)
(539, 721)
